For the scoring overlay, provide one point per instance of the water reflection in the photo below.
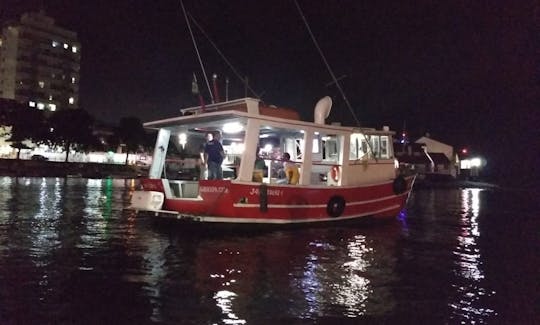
(69, 254)
(355, 290)
(44, 224)
(327, 276)
(469, 263)
(224, 300)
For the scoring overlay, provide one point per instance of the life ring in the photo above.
(335, 206)
(399, 185)
(334, 173)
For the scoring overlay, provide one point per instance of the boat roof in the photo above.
(239, 110)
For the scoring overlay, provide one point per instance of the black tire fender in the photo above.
(400, 185)
(335, 206)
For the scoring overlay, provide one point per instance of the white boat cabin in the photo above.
(326, 154)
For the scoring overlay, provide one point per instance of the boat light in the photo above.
(236, 148)
(268, 147)
(233, 127)
(182, 139)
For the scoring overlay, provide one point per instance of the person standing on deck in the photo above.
(214, 155)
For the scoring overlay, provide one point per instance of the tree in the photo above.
(27, 124)
(130, 132)
(72, 128)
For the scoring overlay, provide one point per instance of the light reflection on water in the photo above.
(356, 290)
(69, 244)
(469, 263)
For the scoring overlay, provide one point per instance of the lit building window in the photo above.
(32, 104)
(52, 107)
(71, 100)
(50, 97)
(74, 49)
(40, 106)
(72, 80)
(55, 44)
(66, 46)
(41, 84)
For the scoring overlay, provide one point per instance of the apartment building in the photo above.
(39, 63)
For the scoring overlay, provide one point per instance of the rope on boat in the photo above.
(326, 63)
(197, 50)
(335, 80)
(238, 75)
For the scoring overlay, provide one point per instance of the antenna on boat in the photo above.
(227, 89)
(197, 50)
(335, 80)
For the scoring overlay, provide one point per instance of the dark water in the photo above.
(70, 255)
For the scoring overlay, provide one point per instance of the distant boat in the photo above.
(344, 173)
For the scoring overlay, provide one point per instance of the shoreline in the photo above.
(34, 168)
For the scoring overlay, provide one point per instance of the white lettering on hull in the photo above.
(213, 189)
(269, 192)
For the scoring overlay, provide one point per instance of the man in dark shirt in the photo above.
(213, 156)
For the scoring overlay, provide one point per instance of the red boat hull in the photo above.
(232, 202)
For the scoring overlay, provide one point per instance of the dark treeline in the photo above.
(70, 130)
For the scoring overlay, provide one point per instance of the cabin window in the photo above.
(299, 145)
(273, 143)
(233, 151)
(316, 147)
(375, 146)
(330, 148)
(359, 146)
(385, 148)
(378, 148)
(353, 154)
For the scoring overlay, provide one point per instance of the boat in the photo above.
(345, 173)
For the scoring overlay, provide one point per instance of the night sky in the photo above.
(467, 72)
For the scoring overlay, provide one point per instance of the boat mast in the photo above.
(197, 50)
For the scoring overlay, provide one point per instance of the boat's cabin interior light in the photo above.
(182, 139)
(268, 147)
(236, 148)
(232, 127)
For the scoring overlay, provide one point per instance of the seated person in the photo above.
(291, 170)
(258, 170)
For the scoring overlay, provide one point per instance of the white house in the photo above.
(434, 149)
